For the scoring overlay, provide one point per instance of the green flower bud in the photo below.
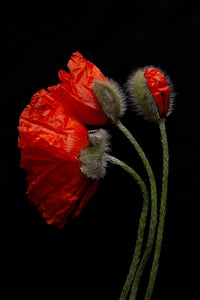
(111, 98)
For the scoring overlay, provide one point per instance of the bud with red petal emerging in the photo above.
(151, 93)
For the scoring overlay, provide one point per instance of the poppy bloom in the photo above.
(76, 93)
(151, 93)
(51, 143)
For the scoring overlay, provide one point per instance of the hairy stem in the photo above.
(143, 217)
(160, 228)
(153, 220)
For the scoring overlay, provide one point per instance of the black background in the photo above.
(90, 256)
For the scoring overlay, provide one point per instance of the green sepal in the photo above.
(93, 157)
(108, 99)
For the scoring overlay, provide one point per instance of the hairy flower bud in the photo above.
(93, 157)
(111, 98)
(151, 93)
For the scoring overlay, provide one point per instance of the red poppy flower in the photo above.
(76, 93)
(51, 143)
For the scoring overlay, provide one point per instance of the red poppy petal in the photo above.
(46, 126)
(37, 161)
(76, 93)
(159, 87)
(78, 64)
(83, 73)
(76, 108)
(86, 198)
(55, 188)
(50, 143)
(64, 77)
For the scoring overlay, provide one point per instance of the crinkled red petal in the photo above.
(83, 74)
(56, 188)
(50, 143)
(76, 108)
(79, 96)
(44, 124)
(159, 88)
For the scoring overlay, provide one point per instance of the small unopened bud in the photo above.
(111, 98)
(151, 93)
(93, 157)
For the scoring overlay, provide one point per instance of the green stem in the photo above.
(160, 228)
(142, 222)
(153, 220)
